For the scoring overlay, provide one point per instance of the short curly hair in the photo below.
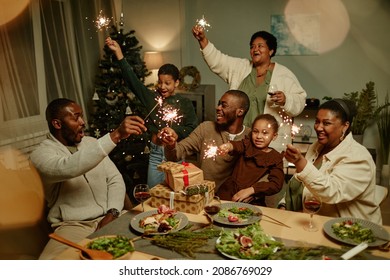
(270, 40)
(169, 69)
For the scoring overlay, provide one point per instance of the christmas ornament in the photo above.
(136, 175)
(128, 111)
(112, 102)
(95, 96)
(97, 133)
(130, 96)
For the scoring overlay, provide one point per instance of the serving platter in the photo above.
(134, 222)
(382, 236)
(251, 219)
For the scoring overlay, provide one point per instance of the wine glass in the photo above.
(212, 207)
(312, 204)
(272, 89)
(141, 193)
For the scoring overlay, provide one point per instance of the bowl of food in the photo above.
(119, 247)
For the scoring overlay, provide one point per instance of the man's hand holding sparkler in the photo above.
(129, 126)
(224, 149)
(199, 34)
(168, 137)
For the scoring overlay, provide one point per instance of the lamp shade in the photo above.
(153, 60)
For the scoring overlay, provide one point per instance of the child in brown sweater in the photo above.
(257, 161)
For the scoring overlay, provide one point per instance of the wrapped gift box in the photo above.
(178, 176)
(162, 194)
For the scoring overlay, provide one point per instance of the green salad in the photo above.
(353, 231)
(236, 214)
(249, 243)
(117, 246)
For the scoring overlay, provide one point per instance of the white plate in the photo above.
(252, 219)
(135, 221)
(377, 230)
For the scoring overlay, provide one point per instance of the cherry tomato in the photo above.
(232, 218)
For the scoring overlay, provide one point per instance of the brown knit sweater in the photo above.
(217, 169)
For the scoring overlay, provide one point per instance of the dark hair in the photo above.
(54, 110)
(343, 109)
(269, 39)
(169, 69)
(243, 99)
(269, 118)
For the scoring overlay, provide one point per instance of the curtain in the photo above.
(18, 79)
(51, 50)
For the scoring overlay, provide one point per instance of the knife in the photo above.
(354, 251)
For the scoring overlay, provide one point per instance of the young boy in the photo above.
(257, 160)
(168, 80)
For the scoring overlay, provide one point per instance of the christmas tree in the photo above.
(112, 101)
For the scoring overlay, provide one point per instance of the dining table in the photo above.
(285, 226)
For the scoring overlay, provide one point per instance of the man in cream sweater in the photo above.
(83, 188)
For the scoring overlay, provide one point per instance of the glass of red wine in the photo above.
(311, 204)
(212, 207)
(272, 89)
(141, 193)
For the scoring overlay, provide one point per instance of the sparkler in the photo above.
(286, 121)
(203, 23)
(295, 130)
(211, 150)
(102, 22)
(170, 115)
(159, 100)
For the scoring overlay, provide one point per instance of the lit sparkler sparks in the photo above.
(211, 150)
(286, 121)
(102, 22)
(203, 23)
(294, 130)
(170, 115)
(159, 100)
